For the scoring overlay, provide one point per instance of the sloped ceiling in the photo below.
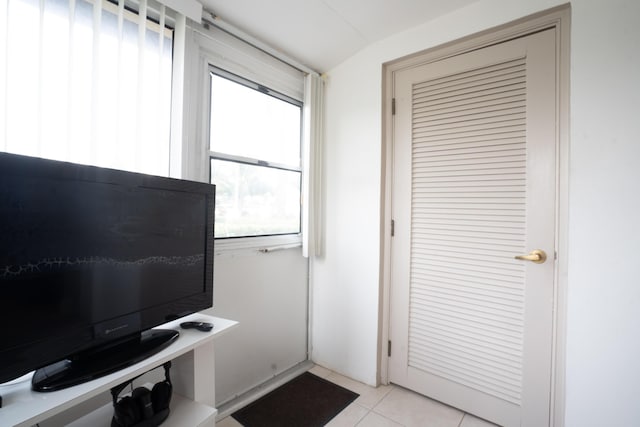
(322, 33)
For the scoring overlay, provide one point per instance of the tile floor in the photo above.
(388, 406)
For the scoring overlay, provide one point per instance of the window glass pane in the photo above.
(248, 123)
(255, 200)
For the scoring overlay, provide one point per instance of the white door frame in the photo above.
(558, 18)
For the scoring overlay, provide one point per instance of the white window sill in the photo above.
(263, 244)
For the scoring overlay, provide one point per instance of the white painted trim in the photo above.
(558, 386)
(262, 244)
(385, 226)
(559, 18)
(213, 19)
(206, 47)
(234, 55)
(178, 91)
(189, 8)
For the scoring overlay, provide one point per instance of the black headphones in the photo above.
(143, 408)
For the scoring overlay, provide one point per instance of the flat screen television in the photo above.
(90, 260)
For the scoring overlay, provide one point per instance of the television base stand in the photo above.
(102, 360)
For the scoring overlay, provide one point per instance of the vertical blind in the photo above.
(87, 82)
(312, 217)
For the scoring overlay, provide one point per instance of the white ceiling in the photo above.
(322, 33)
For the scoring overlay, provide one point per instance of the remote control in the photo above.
(201, 326)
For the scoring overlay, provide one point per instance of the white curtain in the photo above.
(87, 82)
(312, 217)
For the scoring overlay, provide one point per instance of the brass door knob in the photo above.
(537, 255)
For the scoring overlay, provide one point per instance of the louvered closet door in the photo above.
(474, 186)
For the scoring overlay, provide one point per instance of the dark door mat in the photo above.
(305, 401)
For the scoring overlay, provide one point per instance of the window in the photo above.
(254, 150)
(87, 82)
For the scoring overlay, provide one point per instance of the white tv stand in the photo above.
(192, 376)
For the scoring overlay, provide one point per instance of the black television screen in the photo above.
(89, 256)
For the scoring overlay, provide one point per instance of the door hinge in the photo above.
(389, 348)
(393, 106)
(393, 228)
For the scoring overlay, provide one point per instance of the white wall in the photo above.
(345, 293)
(267, 293)
(603, 348)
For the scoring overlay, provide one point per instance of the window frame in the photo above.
(207, 46)
(254, 161)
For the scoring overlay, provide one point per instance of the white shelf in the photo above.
(184, 412)
(192, 374)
